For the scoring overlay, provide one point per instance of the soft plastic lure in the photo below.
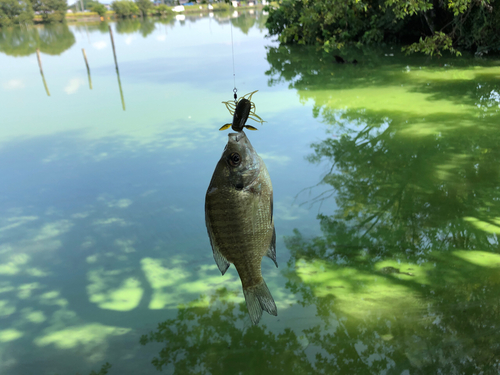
(242, 110)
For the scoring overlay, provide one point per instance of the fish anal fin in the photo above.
(221, 261)
(224, 127)
(271, 252)
(258, 299)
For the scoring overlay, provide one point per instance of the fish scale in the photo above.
(239, 246)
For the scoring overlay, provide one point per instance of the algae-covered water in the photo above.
(386, 179)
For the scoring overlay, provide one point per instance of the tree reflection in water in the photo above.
(446, 332)
(52, 39)
(415, 233)
(101, 26)
(405, 275)
(208, 337)
(244, 22)
(130, 26)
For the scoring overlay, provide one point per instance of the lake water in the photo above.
(386, 178)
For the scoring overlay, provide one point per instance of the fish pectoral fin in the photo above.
(271, 252)
(258, 299)
(250, 127)
(224, 127)
(221, 261)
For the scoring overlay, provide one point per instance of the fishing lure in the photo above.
(242, 110)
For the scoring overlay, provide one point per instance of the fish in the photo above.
(242, 109)
(239, 220)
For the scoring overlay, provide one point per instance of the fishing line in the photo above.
(235, 90)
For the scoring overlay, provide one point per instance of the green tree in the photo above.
(124, 8)
(51, 10)
(144, 6)
(222, 7)
(428, 26)
(15, 11)
(100, 9)
(162, 10)
(87, 4)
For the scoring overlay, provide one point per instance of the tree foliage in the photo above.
(124, 8)
(162, 10)
(428, 26)
(87, 4)
(15, 11)
(100, 9)
(144, 6)
(51, 10)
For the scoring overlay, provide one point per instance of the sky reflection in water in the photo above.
(385, 180)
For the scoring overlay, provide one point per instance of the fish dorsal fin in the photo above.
(271, 252)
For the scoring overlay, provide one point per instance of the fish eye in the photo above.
(234, 159)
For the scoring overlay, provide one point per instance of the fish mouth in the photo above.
(236, 136)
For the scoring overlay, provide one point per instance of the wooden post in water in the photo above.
(120, 86)
(113, 45)
(85, 58)
(88, 69)
(41, 71)
(116, 65)
(39, 61)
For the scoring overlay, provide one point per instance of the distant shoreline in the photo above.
(110, 15)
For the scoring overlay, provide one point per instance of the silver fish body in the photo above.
(239, 219)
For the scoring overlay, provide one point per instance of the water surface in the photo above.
(386, 197)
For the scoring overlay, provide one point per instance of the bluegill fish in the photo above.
(239, 219)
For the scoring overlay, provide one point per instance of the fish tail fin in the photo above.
(259, 298)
